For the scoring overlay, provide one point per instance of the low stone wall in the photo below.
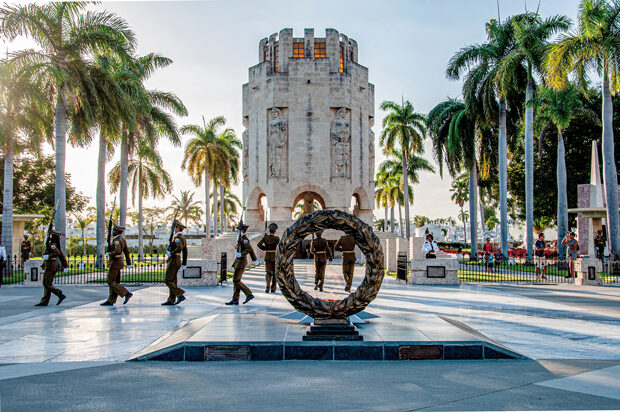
(419, 272)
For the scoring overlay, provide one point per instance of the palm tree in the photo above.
(24, 112)
(66, 35)
(594, 46)
(83, 222)
(147, 177)
(403, 130)
(230, 205)
(381, 197)
(531, 34)
(210, 155)
(455, 133)
(185, 207)
(460, 195)
(491, 94)
(152, 118)
(464, 217)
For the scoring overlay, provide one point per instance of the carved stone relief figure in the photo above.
(246, 147)
(340, 134)
(278, 137)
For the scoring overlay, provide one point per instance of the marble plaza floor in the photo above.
(572, 335)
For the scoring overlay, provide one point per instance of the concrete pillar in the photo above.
(309, 43)
(271, 50)
(261, 50)
(354, 49)
(332, 45)
(583, 269)
(285, 48)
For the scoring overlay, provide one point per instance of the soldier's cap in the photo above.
(319, 233)
(243, 226)
(119, 228)
(273, 227)
(178, 224)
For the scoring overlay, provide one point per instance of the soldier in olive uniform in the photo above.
(26, 249)
(116, 249)
(321, 251)
(346, 245)
(177, 259)
(269, 243)
(243, 247)
(53, 260)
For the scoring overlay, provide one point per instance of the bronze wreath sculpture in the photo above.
(366, 240)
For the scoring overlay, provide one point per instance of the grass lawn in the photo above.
(148, 276)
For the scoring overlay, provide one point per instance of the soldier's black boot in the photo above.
(248, 298)
(267, 290)
(233, 302)
(41, 304)
(166, 303)
(60, 299)
(107, 303)
(127, 297)
(180, 299)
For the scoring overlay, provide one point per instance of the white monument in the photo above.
(308, 110)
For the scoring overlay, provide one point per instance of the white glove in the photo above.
(128, 266)
(168, 253)
(65, 270)
(256, 263)
(45, 257)
(183, 267)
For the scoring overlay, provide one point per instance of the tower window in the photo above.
(319, 50)
(276, 59)
(298, 50)
(341, 66)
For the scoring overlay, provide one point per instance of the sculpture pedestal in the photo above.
(434, 272)
(332, 331)
(587, 272)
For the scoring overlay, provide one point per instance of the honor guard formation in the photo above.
(119, 258)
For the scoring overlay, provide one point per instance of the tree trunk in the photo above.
(385, 220)
(215, 212)
(562, 211)
(392, 219)
(473, 202)
(222, 215)
(83, 244)
(610, 173)
(122, 203)
(406, 195)
(400, 219)
(100, 199)
(482, 220)
(207, 205)
(60, 189)
(503, 181)
(529, 171)
(464, 226)
(140, 220)
(7, 205)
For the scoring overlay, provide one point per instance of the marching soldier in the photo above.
(116, 249)
(269, 243)
(52, 257)
(346, 245)
(243, 247)
(321, 251)
(177, 259)
(26, 249)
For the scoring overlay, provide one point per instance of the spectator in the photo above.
(2, 258)
(539, 258)
(459, 254)
(430, 247)
(572, 253)
(487, 251)
(599, 244)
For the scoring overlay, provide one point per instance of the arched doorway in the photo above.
(307, 202)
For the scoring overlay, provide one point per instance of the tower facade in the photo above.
(308, 110)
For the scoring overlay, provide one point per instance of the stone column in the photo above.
(332, 44)
(354, 49)
(261, 50)
(271, 50)
(285, 48)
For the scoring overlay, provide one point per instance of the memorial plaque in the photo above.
(401, 266)
(591, 273)
(435, 271)
(228, 352)
(420, 352)
(192, 272)
(34, 274)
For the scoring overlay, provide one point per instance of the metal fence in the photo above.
(550, 271)
(89, 270)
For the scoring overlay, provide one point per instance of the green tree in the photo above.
(594, 46)
(83, 222)
(404, 130)
(146, 177)
(460, 195)
(185, 207)
(66, 35)
(532, 35)
(209, 155)
(154, 218)
(25, 118)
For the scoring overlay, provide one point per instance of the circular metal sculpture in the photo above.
(366, 240)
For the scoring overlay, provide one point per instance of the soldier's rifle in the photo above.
(172, 226)
(110, 225)
(240, 227)
(48, 237)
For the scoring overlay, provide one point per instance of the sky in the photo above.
(405, 45)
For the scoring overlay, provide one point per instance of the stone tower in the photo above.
(308, 110)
